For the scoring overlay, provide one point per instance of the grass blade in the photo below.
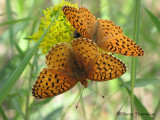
(9, 16)
(3, 114)
(155, 20)
(156, 111)
(17, 73)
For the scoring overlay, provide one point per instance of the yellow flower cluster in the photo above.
(60, 31)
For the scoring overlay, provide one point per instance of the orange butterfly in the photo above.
(104, 32)
(67, 65)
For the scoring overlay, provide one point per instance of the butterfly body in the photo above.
(105, 33)
(69, 64)
(77, 69)
(73, 67)
(94, 33)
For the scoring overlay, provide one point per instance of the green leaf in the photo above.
(55, 114)
(17, 107)
(40, 104)
(15, 21)
(144, 82)
(27, 38)
(139, 106)
(17, 73)
(155, 19)
(141, 109)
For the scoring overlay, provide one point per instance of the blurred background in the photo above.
(20, 18)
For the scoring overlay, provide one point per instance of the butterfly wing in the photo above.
(121, 45)
(51, 83)
(111, 39)
(110, 27)
(106, 67)
(82, 20)
(85, 50)
(107, 29)
(89, 21)
(58, 58)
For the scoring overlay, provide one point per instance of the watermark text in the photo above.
(136, 113)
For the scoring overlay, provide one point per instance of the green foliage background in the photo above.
(21, 61)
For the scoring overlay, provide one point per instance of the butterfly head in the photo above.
(76, 34)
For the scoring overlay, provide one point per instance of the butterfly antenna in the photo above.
(80, 97)
(96, 92)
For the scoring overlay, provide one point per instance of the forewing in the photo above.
(51, 83)
(121, 45)
(82, 20)
(89, 21)
(106, 67)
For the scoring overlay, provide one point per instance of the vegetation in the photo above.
(21, 60)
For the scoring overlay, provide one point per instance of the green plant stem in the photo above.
(82, 103)
(97, 109)
(67, 109)
(28, 96)
(83, 109)
(133, 78)
(96, 95)
(121, 107)
(134, 59)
